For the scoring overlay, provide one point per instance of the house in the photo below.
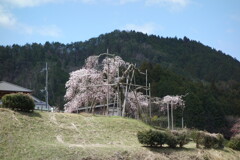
(40, 105)
(8, 88)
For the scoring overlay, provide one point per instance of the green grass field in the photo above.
(42, 135)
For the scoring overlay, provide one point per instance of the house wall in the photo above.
(42, 106)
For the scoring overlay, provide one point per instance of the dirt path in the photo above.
(74, 126)
(15, 118)
(53, 118)
(60, 140)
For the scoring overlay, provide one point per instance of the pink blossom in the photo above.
(88, 84)
(135, 100)
(92, 83)
(175, 101)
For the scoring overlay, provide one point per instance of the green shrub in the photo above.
(18, 101)
(209, 140)
(6, 100)
(171, 140)
(193, 133)
(221, 140)
(152, 137)
(181, 136)
(146, 137)
(159, 138)
(234, 142)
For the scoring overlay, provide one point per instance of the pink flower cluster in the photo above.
(175, 101)
(136, 100)
(88, 84)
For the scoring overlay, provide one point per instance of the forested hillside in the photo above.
(176, 66)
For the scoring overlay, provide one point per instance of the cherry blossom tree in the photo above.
(99, 82)
(136, 101)
(88, 85)
(96, 83)
(79, 93)
(170, 103)
(236, 127)
(176, 102)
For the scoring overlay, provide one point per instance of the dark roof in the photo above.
(6, 86)
(36, 100)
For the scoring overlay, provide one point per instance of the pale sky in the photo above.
(215, 23)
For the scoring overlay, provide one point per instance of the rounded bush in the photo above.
(181, 136)
(171, 140)
(221, 140)
(209, 140)
(18, 101)
(150, 137)
(159, 138)
(234, 142)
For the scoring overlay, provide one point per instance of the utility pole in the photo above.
(168, 115)
(146, 83)
(107, 84)
(150, 106)
(46, 87)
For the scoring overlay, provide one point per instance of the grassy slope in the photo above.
(42, 135)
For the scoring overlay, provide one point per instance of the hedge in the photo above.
(152, 137)
(181, 137)
(209, 140)
(18, 101)
(159, 138)
(171, 140)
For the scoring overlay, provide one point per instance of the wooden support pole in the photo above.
(138, 105)
(172, 114)
(182, 118)
(125, 98)
(130, 84)
(114, 102)
(118, 92)
(168, 116)
(120, 103)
